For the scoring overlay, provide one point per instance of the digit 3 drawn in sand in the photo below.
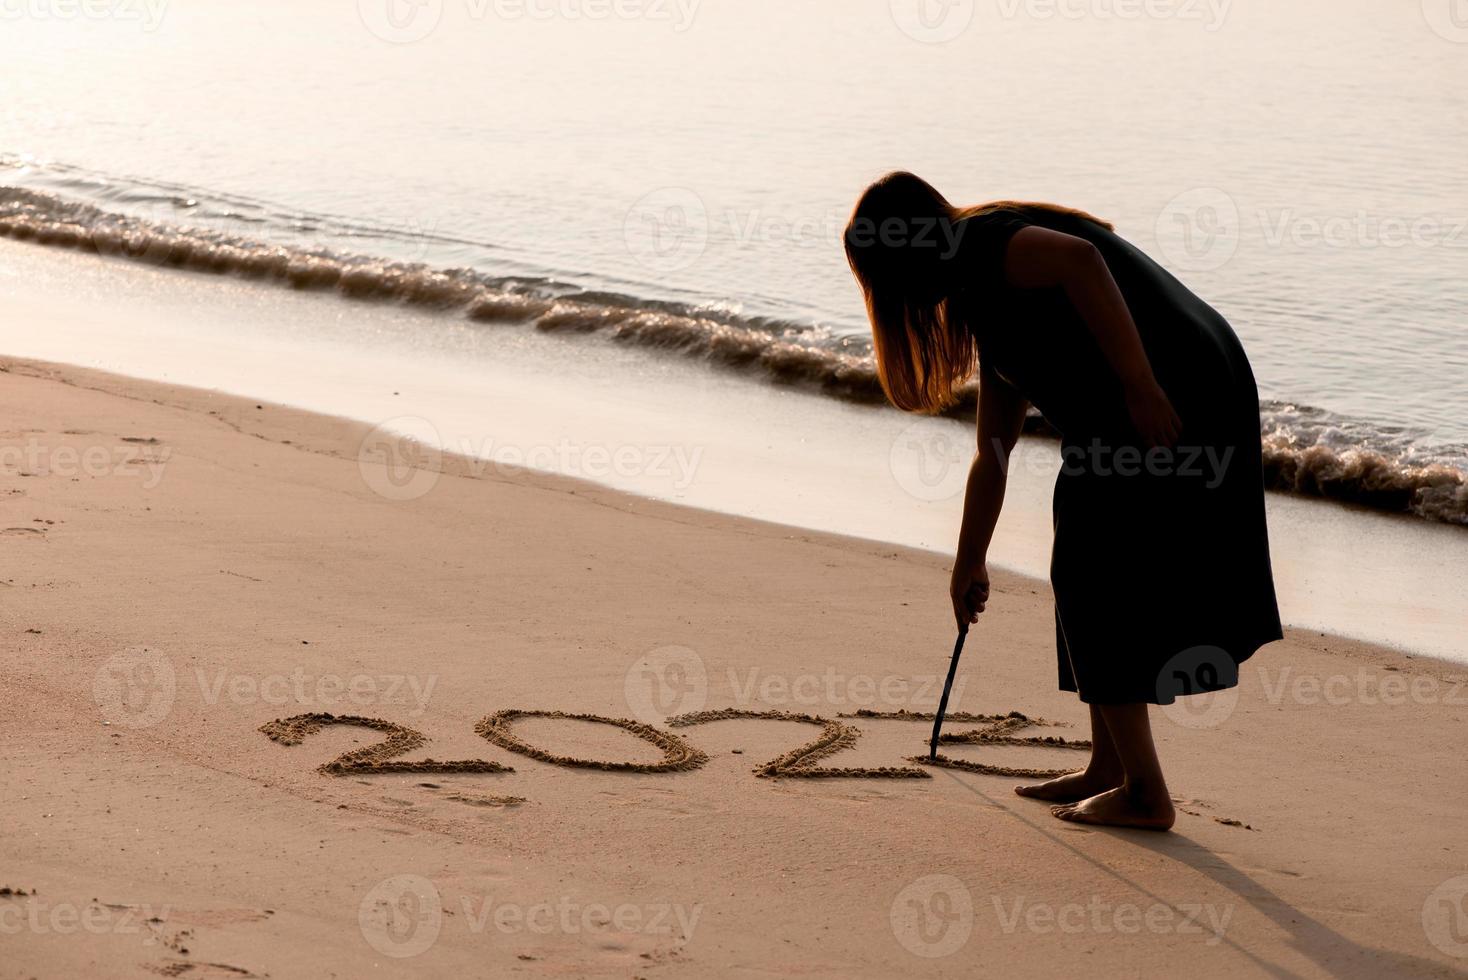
(370, 758)
(678, 755)
(801, 761)
(997, 731)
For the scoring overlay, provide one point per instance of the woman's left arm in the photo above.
(1038, 258)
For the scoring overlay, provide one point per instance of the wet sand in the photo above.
(698, 436)
(181, 569)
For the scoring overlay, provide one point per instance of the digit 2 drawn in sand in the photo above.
(370, 758)
(997, 731)
(678, 755)
(801, 761)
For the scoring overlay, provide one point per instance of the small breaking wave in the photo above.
(1312, 452)
(780, 351)
(1306, 450)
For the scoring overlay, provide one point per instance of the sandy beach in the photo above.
(182, 568)
(456, 520)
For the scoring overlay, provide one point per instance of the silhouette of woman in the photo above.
(1160, 564)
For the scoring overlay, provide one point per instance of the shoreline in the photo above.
(409, 452)
(266, 575)
(1299, 459)
(451, 523)
(695, 435)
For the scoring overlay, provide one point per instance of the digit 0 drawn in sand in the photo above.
(678, 755)
(370, 758)
(801, 761)
(997, 731)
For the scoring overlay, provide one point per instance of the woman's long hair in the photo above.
(901, 243)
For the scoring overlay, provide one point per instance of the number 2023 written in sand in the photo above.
(678, 754)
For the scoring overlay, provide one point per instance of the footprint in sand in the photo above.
(201, 971)
(217, 918)
(487, 801)
(1231, 822)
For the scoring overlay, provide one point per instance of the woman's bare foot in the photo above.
(1073, 786)
(1125, 806)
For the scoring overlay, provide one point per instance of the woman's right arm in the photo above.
(1001, 417)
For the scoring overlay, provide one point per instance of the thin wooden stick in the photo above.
(947, 689)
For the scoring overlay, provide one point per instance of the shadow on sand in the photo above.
(1332, 953)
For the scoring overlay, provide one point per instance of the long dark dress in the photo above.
(1160, 566)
